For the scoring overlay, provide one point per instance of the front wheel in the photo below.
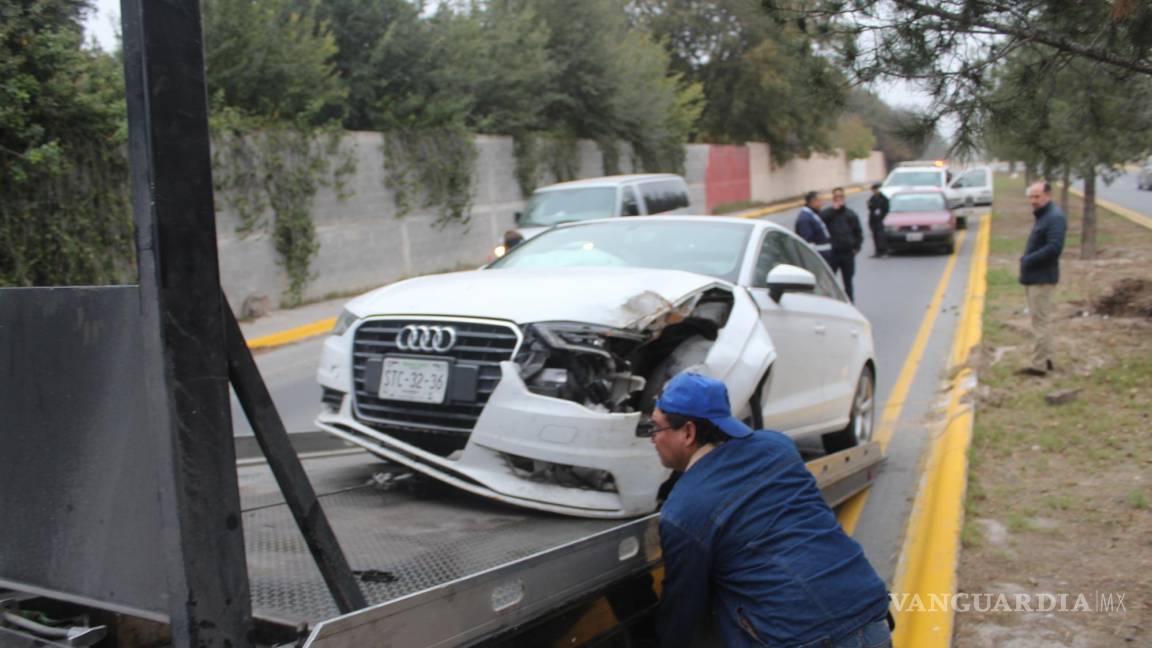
(860, 421)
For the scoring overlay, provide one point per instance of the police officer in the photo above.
(877, 209)
(746, 533)
(811, 228)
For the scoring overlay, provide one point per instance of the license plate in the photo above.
(414, 380)
(914, 237)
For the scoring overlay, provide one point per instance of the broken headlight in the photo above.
(585, 363)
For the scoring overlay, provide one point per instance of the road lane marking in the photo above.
(293, 335)
(1134, 216)
(850, 511)
(931, 552)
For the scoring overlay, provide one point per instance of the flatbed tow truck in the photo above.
(444, 568)
(125, 520)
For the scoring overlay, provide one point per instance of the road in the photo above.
(1123, 192)
(893, 292)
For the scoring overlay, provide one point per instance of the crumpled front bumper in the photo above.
(516, 422)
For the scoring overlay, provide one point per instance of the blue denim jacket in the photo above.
(746, 531)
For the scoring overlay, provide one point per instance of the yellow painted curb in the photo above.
(849, 513)
(293, 335)
(926, 575)
(1134, 216)
(792, 204)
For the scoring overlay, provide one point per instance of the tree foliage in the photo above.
(64, 207)
(762, 79)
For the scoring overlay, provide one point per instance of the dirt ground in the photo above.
(1059, 494)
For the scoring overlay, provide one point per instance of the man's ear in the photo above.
(690, 431)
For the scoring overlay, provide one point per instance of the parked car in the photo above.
(1144, 179)
(529, 381)
(595, 198)
(921, 174)
(920, 219)
(972, 187)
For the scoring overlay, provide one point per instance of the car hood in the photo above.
(618, 297)
(899, 219)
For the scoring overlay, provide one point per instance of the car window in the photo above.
(975, 178)
(714, 249)
(774, 250)
(628, 203)
(826, 285)
(916, 202)
(914, 179)
(663, 195)
(567, 205)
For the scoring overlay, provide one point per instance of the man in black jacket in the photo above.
(877, 209)
(1040, 271)
(847, 238)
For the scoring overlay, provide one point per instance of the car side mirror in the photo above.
(789, 278)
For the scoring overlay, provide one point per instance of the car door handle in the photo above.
(821, 329)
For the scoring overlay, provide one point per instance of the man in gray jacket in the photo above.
(1040, 272)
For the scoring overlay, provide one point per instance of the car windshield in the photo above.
(917, 202)
(915, 179)
(715, 249)
(566, 205)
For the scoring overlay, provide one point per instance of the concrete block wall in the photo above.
(363, 244)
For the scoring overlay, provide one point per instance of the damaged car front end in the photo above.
(535, 411)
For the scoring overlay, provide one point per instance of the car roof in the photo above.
(610, 181)
(919, 190)
(757, 223)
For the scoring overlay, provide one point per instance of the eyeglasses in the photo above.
(649, 430)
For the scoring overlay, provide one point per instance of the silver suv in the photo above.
(595, 198)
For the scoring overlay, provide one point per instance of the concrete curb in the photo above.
(291, 335)
(931, 552)
(791, 204)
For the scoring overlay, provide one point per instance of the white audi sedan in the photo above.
(529, 381)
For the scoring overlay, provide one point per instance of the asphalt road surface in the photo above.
(893, 292)
(1123, 192)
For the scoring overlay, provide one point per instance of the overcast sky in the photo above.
(104, 23)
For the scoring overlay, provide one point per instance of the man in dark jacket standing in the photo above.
(877, 209)
(811, 228)
(746, 534)
(1040, 271)
(847, 238)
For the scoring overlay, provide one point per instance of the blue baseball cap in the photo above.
(697, 396)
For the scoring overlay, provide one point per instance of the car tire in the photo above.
(690, 354)
(861, 420)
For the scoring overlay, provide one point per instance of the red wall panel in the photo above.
(727, 178)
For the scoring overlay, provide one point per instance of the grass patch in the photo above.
(1137, 500)
(1062, 477)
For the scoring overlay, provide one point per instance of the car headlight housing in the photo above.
(344, 322)
(585, 363)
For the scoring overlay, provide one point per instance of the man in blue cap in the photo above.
(746, 530)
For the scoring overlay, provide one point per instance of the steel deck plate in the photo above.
(424, 538)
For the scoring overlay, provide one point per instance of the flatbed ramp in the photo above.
(440, 567)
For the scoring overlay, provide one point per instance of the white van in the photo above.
(922, 174)
(973, 186)
(594, 198)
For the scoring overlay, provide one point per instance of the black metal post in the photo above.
(182, 347)
(301, 499)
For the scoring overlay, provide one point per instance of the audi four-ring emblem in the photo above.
(418, 337)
